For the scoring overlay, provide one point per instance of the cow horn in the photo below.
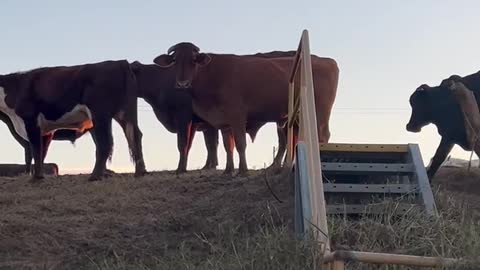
(172, 49)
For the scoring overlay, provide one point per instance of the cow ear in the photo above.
(203, 59)
(422, 88)
(164, 60)
(135, 66)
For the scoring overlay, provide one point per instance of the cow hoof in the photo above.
(107, 171)
(228, 172)
(242, 174)
(140, 174)
(180, 171)
(274, 169)
(94, 178)
(209, 166)
(37, 179)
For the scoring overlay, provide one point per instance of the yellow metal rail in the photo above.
(374, 148)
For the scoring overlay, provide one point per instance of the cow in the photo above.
(81, 98)
(438, 105)
(174, 110)
(60, 135)
(229, 91)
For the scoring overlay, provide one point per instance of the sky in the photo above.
(384, 50)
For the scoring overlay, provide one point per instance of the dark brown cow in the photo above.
(230, 90)
(82, 98)
(174, 110)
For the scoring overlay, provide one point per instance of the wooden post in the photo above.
(291, 117)
(338, 265)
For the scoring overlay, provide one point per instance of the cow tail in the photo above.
(110, 153)
(252, 134)
(132, 89)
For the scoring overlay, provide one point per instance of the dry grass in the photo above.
(203, 221)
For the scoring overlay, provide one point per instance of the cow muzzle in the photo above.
(183, 84)
(412, 128)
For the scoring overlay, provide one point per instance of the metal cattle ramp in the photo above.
(365, 178)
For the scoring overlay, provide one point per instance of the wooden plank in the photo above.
(374, 188)
(345, 147)
(422, 180)
(338, 265)
(367, 167)
(309, 134)
(396, 259)
(291, 119)
(368, 209)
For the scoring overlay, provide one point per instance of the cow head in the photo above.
(186, 58)
(420, 117)
(450, 81)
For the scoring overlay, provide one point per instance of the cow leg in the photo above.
(440, 155)
(210, 135)
(183, 136)
(102, 133)
(134, 139)
(28, 159)
(229, 145)
(239, 133)
(33, 133)
(282, 147)
(46, 140)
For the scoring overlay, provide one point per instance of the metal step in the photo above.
(393, 173)
(368, 168)
(370, 209)
(374, 188)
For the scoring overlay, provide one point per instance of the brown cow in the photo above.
(83, 97)
(174, 110)
(231, 90)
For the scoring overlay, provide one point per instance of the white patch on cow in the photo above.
(79, 118)
(18, 123)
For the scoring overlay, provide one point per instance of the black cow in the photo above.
(438, 106)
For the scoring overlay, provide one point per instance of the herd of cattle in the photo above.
(192, 91)
(188, 90)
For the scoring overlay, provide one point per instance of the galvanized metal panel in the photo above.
(343, 147)
(358, 188)
(304, 188)
(299, 220)
(367, 167)
(422, 180)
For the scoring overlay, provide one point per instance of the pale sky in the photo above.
(384, 49)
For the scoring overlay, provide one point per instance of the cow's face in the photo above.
(186, 59)
(420, 116)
